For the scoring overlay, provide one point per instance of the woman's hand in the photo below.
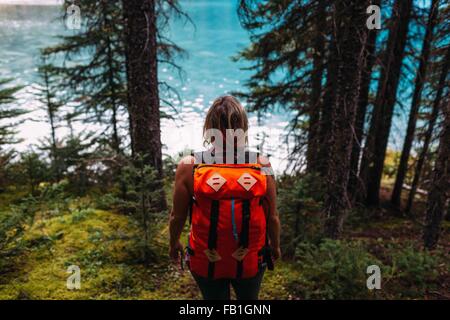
(175, 251)
(276, 253)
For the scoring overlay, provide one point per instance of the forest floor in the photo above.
(103, 244)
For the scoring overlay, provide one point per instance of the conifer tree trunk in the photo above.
(377, 140)
(325, 117)
(143, 105)
(419, 82)
(112, 86)
(316, 80)
(440, 186)
(429, 133)
(349, 36)
(51, 117)
(363, 100)
(114, 107)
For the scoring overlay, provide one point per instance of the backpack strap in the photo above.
(243, 240)
(212, 237)
(192, 201)
(266, 252)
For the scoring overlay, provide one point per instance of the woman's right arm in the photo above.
(273, 220)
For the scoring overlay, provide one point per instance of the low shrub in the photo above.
(333, 270)
(413, 271)
(299, 207)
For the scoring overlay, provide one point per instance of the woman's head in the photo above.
(225, 113)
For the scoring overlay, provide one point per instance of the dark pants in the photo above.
(219, 289)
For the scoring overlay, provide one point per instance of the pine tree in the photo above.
(316, 87)
(440, 185)
(8, 123)
(441, 88)
(145, 47)
(52, 106)
(93, 71)
(288, 38)
(377, 140)
(347, 44)
(34, 169)
(8, 113)
(142, 74)
(363, 103)
(416, 100)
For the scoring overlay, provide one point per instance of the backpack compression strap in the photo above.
(212, 238)
(266, 251)
(243, 240)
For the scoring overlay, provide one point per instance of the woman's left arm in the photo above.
(181, 198)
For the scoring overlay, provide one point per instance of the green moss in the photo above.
(276, 283)
(104, 245)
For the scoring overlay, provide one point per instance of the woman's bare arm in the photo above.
(273, 219)
(181, 198)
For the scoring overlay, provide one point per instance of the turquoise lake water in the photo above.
(208, 71)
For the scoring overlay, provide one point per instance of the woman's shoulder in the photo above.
(187, 160)
(185, 166)
(263, 160)
(265, 164)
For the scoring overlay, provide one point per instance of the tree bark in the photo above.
(363, 101)
(329, 96)
(348, 39)
(419, 83)
(143, 105)
(440, 186)
(325, 117)
(429, 133)
(377, 140)
(316, 87)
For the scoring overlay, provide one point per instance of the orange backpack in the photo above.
(228, 237)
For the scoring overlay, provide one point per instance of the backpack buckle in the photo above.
(212, 255)
(240, 254)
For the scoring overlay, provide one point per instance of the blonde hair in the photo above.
(226, 112)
